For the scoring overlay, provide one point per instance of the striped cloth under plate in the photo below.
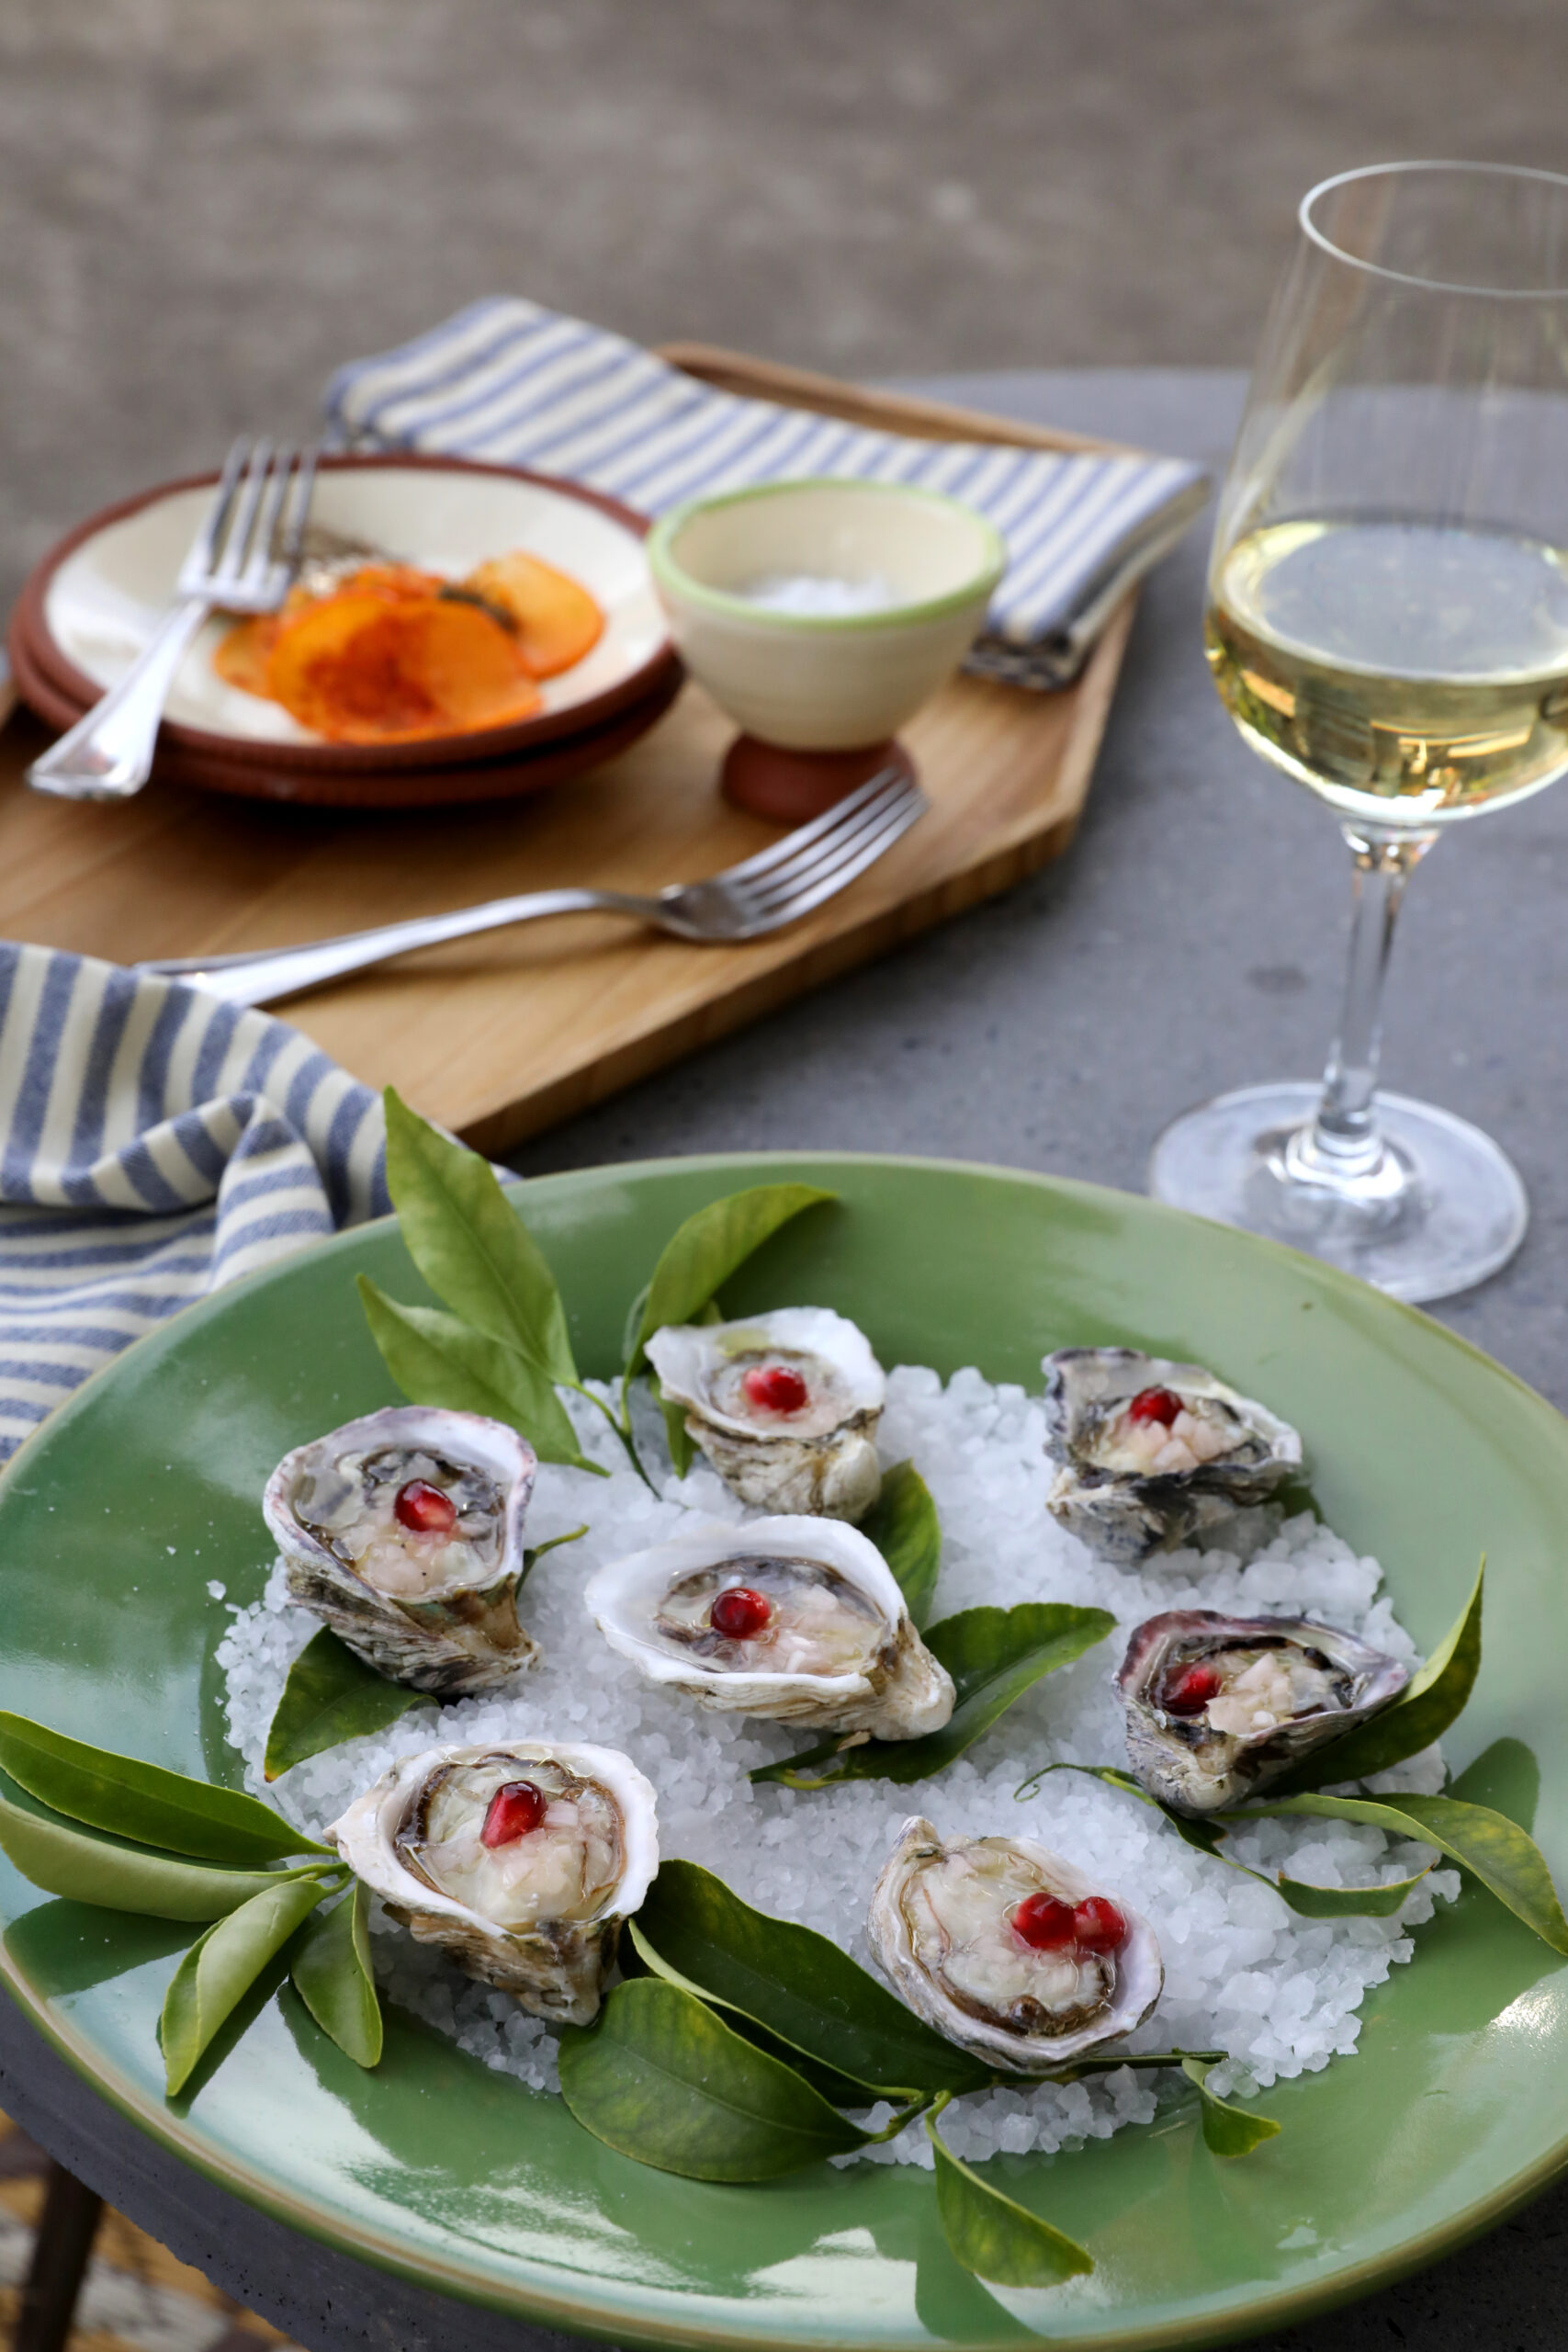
(158, 1145)
(511, 382)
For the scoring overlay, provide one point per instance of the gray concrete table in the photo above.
(1192, 940)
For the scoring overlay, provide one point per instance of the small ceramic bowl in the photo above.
(819, 692)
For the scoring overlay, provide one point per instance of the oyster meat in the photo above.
(1008, 1951)
(521, 1861)
(1217, 1707)
(786, 1407)
(404, 1532)
(796, 1618)
(1153, 1452)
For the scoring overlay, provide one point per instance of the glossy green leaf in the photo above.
(664, 2080)
(1422, 1712)
(1227, 2130)
(437, 1360)
(683, 1452)
(994, 1657)
(63, 1860)
(143, 1802)
(221, 1966)
(702, 1254)
(333, 1976)
(903, 1525)
(470, 1243)
(996, 2237)
(801, 1987)
(1495, 1849)
(330, 1696)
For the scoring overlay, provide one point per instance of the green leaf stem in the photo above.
(143, 1802)
(809, 1994)
(470, 1243)
(437, 1360)
(1422, 1712)
(996, 2237)
(661, 2079)
(333, 1976)
(535, 1552)
(994, 1657)
(1227, 2130)
(330, 1696)
(64, 1859)
(221, 1966)
(903, 1525)
(712, 1244)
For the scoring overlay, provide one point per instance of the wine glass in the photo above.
(1388, 623)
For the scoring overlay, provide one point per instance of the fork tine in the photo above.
(824, 856)
(804, 835)
(262, 553)
(839, 877)
(236, 545)
(296, 507)
(201, 557)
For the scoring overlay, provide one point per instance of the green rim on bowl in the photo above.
(144, 1486)
(671, 575)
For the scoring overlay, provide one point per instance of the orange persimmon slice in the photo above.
(367, 667)
(244, 656)
(556, 619)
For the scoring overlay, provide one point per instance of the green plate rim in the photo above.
(1280, 2308)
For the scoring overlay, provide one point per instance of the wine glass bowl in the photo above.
(1387, 623)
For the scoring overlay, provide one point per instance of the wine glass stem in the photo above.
(1344, 1144)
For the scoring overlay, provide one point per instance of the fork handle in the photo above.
(258, 976)
(108, 755)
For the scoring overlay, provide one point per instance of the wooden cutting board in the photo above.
(502, 1037)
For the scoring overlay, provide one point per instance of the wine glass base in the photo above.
(1458, 1215)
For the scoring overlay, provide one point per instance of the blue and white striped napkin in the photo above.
(158, 1145)
(519, 385)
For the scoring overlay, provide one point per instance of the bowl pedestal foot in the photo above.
(788, 787)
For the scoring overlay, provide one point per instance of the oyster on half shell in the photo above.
(522, 1860)
(403, 1531)
(1152, 1451)
(796, 1618)
(1218, 1706)
(1009, 1951)
(786, 1407)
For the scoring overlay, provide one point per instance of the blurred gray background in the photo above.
(207, 203)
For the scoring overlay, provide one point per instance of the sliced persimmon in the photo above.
(367, 667)
(556, 619)
(242, 659)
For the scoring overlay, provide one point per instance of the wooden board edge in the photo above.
(923, 420)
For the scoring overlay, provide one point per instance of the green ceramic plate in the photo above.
(146, 1485)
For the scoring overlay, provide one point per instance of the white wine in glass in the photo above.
(1388, 624)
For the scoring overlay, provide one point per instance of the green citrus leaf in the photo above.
(437, 1360)
(221, 1966)
(331, 1696)
(702, 1254)
(63, 1860)
(664, 2080)
(903, 1525)
(1227, 2130)
(143, 1802)
(994, 2237)
(333, 1976)
(470, 1243)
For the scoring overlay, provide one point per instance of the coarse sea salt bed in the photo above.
(1244, 1974)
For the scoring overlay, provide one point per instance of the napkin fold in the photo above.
(158, 1145)
(508, 381)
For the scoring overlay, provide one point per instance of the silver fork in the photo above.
(745, 901)
(242, 561)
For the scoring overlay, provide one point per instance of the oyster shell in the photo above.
(1218, 1706)
(941, 1925)
(812, 1452)
(538, 1912)
(1131, 1481)
(816, 1631)
(403, 1531)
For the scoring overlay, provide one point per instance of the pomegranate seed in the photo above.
(424, 1509)
(1044, 1922)
(1189, 1690)
(516, 1807)
(740, 1612)
(775, 1388)
(1097, 1925)
(1155, 1405)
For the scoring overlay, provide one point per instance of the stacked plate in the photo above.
(91, 606)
